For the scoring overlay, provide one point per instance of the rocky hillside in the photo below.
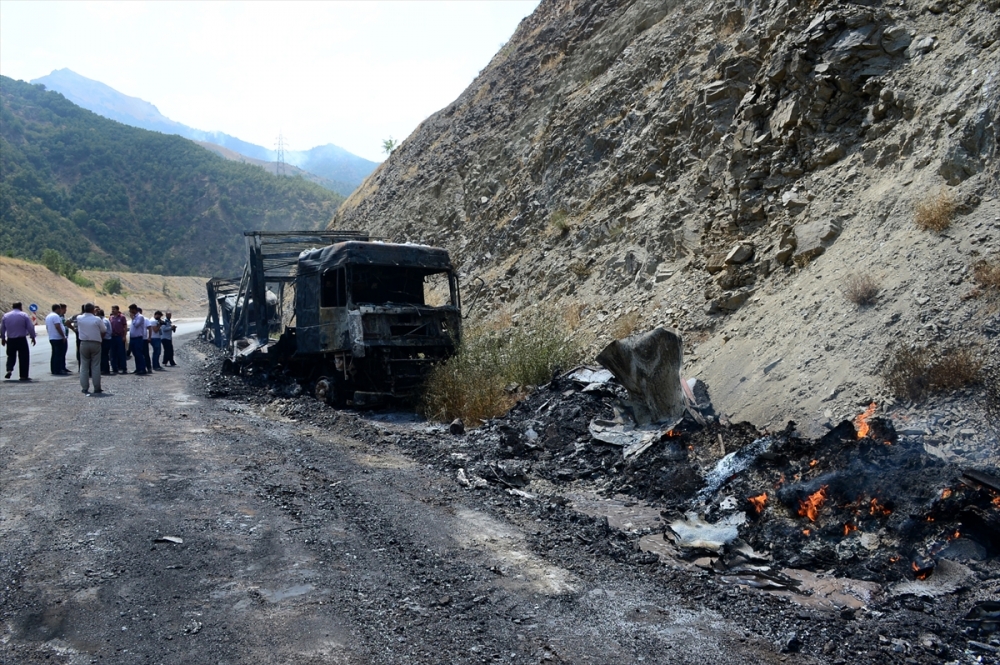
(730, 169)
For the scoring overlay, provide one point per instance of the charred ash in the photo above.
(860, 501)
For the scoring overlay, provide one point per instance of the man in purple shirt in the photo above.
(119, 329)
(16, 327)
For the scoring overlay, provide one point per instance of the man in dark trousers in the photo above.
(57, 338)
(15, 328)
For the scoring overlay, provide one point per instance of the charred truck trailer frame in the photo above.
(360, 329)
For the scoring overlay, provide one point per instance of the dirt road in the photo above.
(154, 525)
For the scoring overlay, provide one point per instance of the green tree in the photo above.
(112, 286)
(389, 144)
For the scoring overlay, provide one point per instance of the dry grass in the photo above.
(625, 325)
(580, 269)
(573, 315)
(861, 289)
(987, 274)
(916, 372)
(472, 385)
(935, 212)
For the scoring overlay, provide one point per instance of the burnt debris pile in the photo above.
(859, 501)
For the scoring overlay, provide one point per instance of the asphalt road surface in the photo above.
(153, 525)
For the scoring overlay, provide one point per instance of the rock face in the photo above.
(702, 164)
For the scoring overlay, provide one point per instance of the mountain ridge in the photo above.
(337, 169)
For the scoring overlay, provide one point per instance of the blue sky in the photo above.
(348, 73)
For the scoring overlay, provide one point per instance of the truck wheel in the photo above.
(323, 389)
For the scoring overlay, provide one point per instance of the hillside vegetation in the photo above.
(734, 170)
(105, 195)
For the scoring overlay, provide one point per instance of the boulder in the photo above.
(739, 254)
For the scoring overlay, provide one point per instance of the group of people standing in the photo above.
(103, 343)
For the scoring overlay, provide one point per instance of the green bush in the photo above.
(80, 280)
(473, 384)
(112, 286)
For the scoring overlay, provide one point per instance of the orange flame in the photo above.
(946, 492)
(814, 463)
(848, 528)
(861, 422)
(893, 559)
(759, 502)
(806, 531)
(810, 507)
(781, 481)
(996, 501)
(921, 575)
(672, 434)
(930, 519)
(876, 508)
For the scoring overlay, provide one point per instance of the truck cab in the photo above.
(371, 318)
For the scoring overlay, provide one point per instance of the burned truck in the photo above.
(357, 321)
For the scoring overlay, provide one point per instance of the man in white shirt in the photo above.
(153, 333)
(137, 339)
(90, 329)
(57, 339)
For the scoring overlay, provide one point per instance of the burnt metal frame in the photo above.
(216, 287)
(272, 258)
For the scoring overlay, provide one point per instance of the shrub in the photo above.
(934, 213)
(112, 286)
(915, 372)
(559, 221)
(472, 385)
(861, 289)
(987, 274)
(80, 280)
(625, 325)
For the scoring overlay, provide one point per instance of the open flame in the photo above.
(848, 528)
(946, 492)
(758, 502)
(813, 463)
(806, 532)
(810, 507)
(996, 501)
(921, 574)
(861, 422)
(878, 509)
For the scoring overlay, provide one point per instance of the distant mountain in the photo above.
(272, 167)
(337, 169)
(106, 195)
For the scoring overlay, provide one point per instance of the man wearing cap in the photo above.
(16, 327)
